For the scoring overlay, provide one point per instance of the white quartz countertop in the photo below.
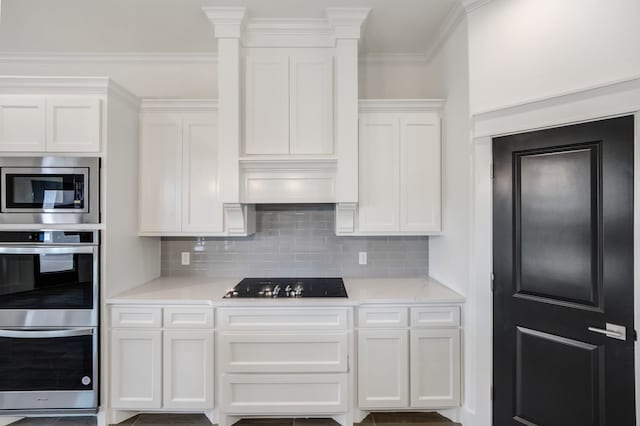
(209, 291)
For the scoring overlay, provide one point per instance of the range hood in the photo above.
(279, 170)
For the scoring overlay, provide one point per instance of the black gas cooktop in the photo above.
(287, 287)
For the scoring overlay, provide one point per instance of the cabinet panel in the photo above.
(311, 105)
(73, 124)
(284, 352)
(382, 317)
(266, 105)
(379, 206)
(284, 393)
(185, 317)
(202, 209)
(161, 173)
(383, 362)
(188, 369)
(136, 369)
(283, 319)
(420, 183)
(435, 368)
(435, 316)
(136, 317)
(22, 123)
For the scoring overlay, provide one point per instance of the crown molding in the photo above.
(455, 16)
(108, 57)
(385, 58)
(347, 22)
(270, 32)
(227, 21)
(471, 5)
(400, 105)
(184, 105)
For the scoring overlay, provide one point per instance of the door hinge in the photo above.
(493, 285)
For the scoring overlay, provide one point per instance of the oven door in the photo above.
(48, 286)
(48, 369)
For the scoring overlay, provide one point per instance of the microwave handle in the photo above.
(44, 334)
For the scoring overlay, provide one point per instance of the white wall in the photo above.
(522, 50)
(193, 79)
(450, 254)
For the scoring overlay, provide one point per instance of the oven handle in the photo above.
(43, 334)
(48, 250)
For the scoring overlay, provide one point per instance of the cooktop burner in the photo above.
(287, 287)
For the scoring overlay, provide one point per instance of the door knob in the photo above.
(614, 331)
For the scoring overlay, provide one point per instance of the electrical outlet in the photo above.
(362, 258)
(186, 258)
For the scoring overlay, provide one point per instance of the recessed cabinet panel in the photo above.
(22, 123)
(311, 105)
(161, 173)
(435, 368)
(73, 124)
(379, 173)
(420, 172)
(202, 208)
(383, 368)
(266, 105)
(188, 369)
(136, 369)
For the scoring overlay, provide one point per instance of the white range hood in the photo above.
(288, 106)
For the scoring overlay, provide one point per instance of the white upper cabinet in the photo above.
(399, 179)
(179, 189)
(266, 105)
(31, 123)
(288, 102)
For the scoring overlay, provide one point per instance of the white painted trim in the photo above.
(400, 105)
(288, 165)
(451, 21)
(604, 101)
(227, 21)
(184, 105)
(108, 57)
(347, 22)
(471, 5)
(390, 58)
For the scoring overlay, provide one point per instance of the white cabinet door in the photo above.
(435, 368)
(383, 368)
(188, 369)
(136, 369)
(161, 173)
(22, 123)
(266, 105)
(311, 97)
(420, 172)
(73, 124)
(202, 209)
(379, 206)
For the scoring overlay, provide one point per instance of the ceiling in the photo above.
(180, 26)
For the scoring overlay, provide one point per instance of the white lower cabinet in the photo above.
(409, 366)
(156, 368)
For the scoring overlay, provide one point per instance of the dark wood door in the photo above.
(563, 263)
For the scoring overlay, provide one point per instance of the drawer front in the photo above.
(302, 394)
(383, 317)
(435, 316)
(136, 317)
(188, 317)
(283, 319)
(284, 352)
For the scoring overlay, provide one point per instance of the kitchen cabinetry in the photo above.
(288, 102)
(287, 361)
(399, 171)
(179, 191)
(409, 361)
(162, 363)
(31, 123)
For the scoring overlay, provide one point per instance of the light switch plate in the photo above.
(362, 258)
(186, 258)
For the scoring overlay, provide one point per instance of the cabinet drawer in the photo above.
(283, 319)
(284, 352)
(435, 316)
(188, 317)
(382, 317)
(303, 394)
(136, 317)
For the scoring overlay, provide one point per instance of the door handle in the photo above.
(614, 331)
(44, 334)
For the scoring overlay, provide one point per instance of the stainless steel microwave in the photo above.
(49, 190)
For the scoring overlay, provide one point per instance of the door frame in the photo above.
(594, 103)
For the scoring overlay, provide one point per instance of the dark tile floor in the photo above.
(376, 419)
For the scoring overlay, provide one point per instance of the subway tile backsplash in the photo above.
(296, 240)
